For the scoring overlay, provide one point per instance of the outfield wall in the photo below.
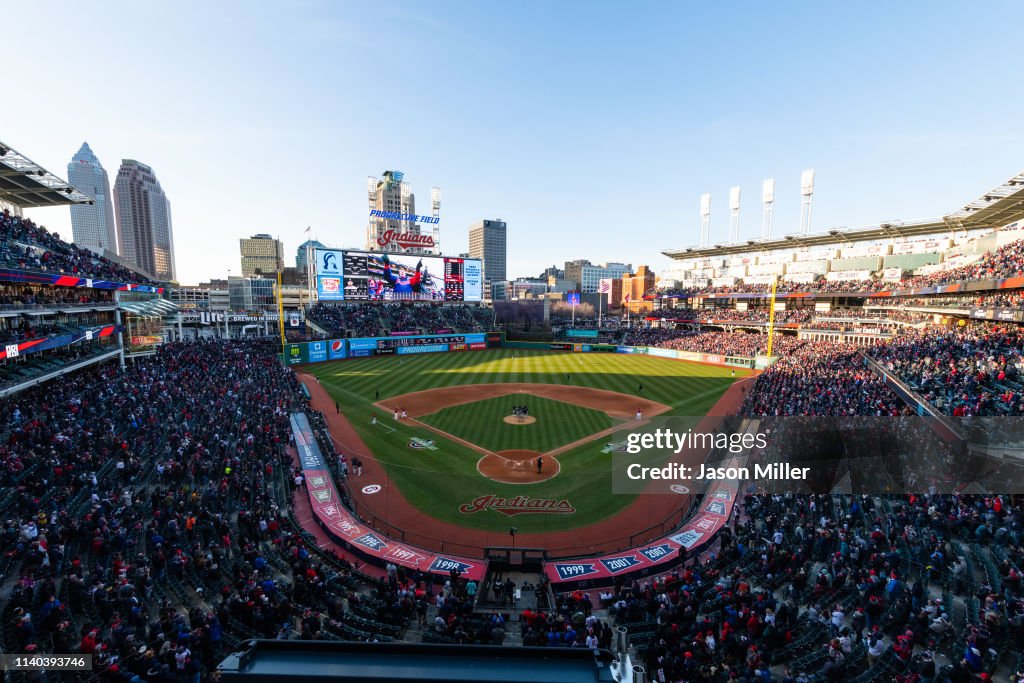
(364, 347)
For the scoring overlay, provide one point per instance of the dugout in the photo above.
(318, 660)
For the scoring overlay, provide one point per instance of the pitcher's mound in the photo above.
(520, 419)
(516, 467)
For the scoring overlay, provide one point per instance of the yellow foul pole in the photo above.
(771, 317)
(280, 311)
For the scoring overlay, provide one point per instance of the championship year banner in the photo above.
(699, 531)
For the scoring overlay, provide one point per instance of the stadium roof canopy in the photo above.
(153, 308)
(997, 207)
(26, 184)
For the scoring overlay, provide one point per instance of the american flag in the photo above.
(606, 286)
(626, 298)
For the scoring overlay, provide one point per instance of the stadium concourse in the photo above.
(148, 515)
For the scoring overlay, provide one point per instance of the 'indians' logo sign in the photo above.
(405, 240)
(518, 505)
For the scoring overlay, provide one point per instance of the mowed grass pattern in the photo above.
(674, 383)
(437, 482)
(482, 422)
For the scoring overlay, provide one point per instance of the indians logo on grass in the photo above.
(518, 505)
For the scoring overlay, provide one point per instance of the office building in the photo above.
(92, 227)
(393, 224)
(487, 242)
(251, 293)
(587, 276)
(144, 231)
(261, 255)
(300, 253)
(637, 284)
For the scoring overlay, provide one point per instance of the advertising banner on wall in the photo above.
(16, 349)
(328, 288)
(317, 351)
(713, 514)
(296, 353)
(472, 275)
(336, 349)
(430, 343)
(347, 530)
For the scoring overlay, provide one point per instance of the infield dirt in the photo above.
(423, 529)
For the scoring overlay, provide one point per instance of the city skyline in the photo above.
(603, 158)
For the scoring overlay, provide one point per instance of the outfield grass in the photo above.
(482, 422)
(439, 481)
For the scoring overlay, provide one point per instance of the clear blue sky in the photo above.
(591, 127)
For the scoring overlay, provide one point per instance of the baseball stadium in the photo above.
(433, 480)
(777, 454)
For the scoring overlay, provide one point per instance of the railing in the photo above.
(942, 424)
(442, 545)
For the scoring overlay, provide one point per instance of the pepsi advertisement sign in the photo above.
(336, 349)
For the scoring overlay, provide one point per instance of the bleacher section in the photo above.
(383, 319)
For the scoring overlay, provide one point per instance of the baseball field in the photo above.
(461, 458)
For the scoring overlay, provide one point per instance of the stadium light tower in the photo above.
(705, 219)
(768, 212)
(435, 209)
(734, 214)
(806, 194)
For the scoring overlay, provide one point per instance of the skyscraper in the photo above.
(261, 254)
(144, 220)
(93, 226)
(487, 241)
(300, 253)
(393, 224)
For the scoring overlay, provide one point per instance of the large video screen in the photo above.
(377, 276)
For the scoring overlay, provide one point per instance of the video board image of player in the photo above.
(400, 278)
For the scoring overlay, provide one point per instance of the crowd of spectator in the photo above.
(820, 378)
(914, 587)
(814, 587)
(356, 320)
(18, 296)
(143, 513)
(371, 320)
(968, 370)
(720, 343)
(30, 367)
(25, 245)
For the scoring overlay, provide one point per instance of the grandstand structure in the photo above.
(62, 308)
(842, 284)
